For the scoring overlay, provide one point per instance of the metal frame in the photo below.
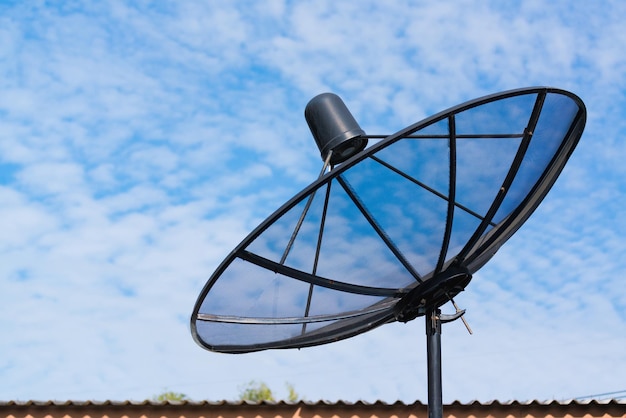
(447, 279)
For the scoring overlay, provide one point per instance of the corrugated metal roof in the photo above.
(224, 403)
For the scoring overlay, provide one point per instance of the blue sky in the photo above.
(140, 142)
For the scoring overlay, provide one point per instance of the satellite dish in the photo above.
(390, 232)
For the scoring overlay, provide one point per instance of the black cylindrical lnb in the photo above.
(334, 128)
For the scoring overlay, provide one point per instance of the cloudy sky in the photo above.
(140, 142)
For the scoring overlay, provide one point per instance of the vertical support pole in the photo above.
(433, 352)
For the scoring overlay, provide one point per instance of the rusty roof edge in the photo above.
(224, 403)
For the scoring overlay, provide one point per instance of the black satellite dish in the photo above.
(390, 232)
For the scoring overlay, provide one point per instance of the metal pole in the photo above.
(433, 352)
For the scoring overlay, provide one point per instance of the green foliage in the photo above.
(256, 392)
(293, 395)
(259, 391)
(170, 396)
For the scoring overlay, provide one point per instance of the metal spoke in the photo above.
(304, 212)
(508, 180)
(428, 188)
(317, 253)
(379, 230)
(451, 196)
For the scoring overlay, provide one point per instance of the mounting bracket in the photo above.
(453, 317)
